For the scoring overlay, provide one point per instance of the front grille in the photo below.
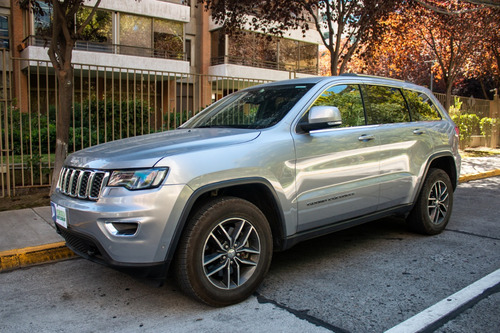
(79, 245)
(82, 183)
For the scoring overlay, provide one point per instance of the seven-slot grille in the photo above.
(81, 183)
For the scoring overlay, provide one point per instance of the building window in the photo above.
(43, 20)
(188, 50)
(99, 29)
(168, 39)
(252, 49)
(266, 51)
(141, 36)
(308, 58)
(289, 54)
(135, 34)
(4, 32)
(241, 49)
(257, 50)
(218, 42)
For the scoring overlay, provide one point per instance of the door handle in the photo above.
(418, 131)
(366, 137)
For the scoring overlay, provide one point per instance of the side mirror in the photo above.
(321, 117)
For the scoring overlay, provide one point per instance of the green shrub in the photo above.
(487, 125)
(176, 119)
(92, 122)
(468, 125)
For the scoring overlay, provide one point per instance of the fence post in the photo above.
(495, 114)
(4, 140)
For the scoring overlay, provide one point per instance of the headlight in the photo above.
(137, 179)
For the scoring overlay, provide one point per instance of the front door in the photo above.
(337, 169)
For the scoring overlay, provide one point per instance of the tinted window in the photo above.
(347, 98)
(421, 106)
(386, 105)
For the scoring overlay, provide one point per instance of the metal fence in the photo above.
(109, 103)
(479, 107)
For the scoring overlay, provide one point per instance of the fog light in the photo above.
(122, 228)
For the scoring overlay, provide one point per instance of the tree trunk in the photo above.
(448, 101)
(333, 62)
(65, 85)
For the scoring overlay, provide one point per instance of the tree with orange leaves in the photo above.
(418, 38)
(343, 25)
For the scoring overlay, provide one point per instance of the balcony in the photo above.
(111, 55)
(280, 66)
(110, 48)
(251, 68)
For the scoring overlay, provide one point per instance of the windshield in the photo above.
(252, 108)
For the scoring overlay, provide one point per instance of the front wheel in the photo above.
(433, 208)
(225, 252)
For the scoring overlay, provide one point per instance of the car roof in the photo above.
(347, 77)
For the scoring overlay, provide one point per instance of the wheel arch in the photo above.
(444, 161)
(255, 190)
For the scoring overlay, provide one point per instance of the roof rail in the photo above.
(371, 76)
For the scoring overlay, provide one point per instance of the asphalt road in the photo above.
(366, 279)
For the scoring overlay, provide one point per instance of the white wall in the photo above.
(152, 8)
(113, 60)
(253, 72)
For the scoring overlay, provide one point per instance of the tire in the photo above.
(225, 252)
(434, 205)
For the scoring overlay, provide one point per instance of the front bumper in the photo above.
(153, 215)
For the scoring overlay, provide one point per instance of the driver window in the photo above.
(347, 98)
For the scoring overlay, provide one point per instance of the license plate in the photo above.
(59, 215)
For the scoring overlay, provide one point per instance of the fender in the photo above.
(452, 171)
(217, 186)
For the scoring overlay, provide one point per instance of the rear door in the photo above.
(337, 169)
(405, 145)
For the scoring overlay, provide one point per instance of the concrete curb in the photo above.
(476, 176)
(12, 259)
(33, 255)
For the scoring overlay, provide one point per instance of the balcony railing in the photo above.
(82, 45)
(180, 2)
(280, 66)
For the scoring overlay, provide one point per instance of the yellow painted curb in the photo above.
(476, 176)
(34, 255)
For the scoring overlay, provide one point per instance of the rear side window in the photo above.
(386, 105)
(421, 106)
(347, 98)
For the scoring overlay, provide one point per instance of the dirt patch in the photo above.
(38, 197)
(479, 152)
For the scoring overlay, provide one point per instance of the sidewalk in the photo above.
(28, 236)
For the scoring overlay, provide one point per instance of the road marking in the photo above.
(448, 307)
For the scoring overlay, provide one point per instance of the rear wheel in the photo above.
(225, 252)
(433, 208)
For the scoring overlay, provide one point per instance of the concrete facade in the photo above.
(196, 37)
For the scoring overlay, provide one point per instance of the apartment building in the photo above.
(139, 67)
(171, 48)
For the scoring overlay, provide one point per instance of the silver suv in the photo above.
(257, 172)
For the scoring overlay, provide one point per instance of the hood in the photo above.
(146, 150)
